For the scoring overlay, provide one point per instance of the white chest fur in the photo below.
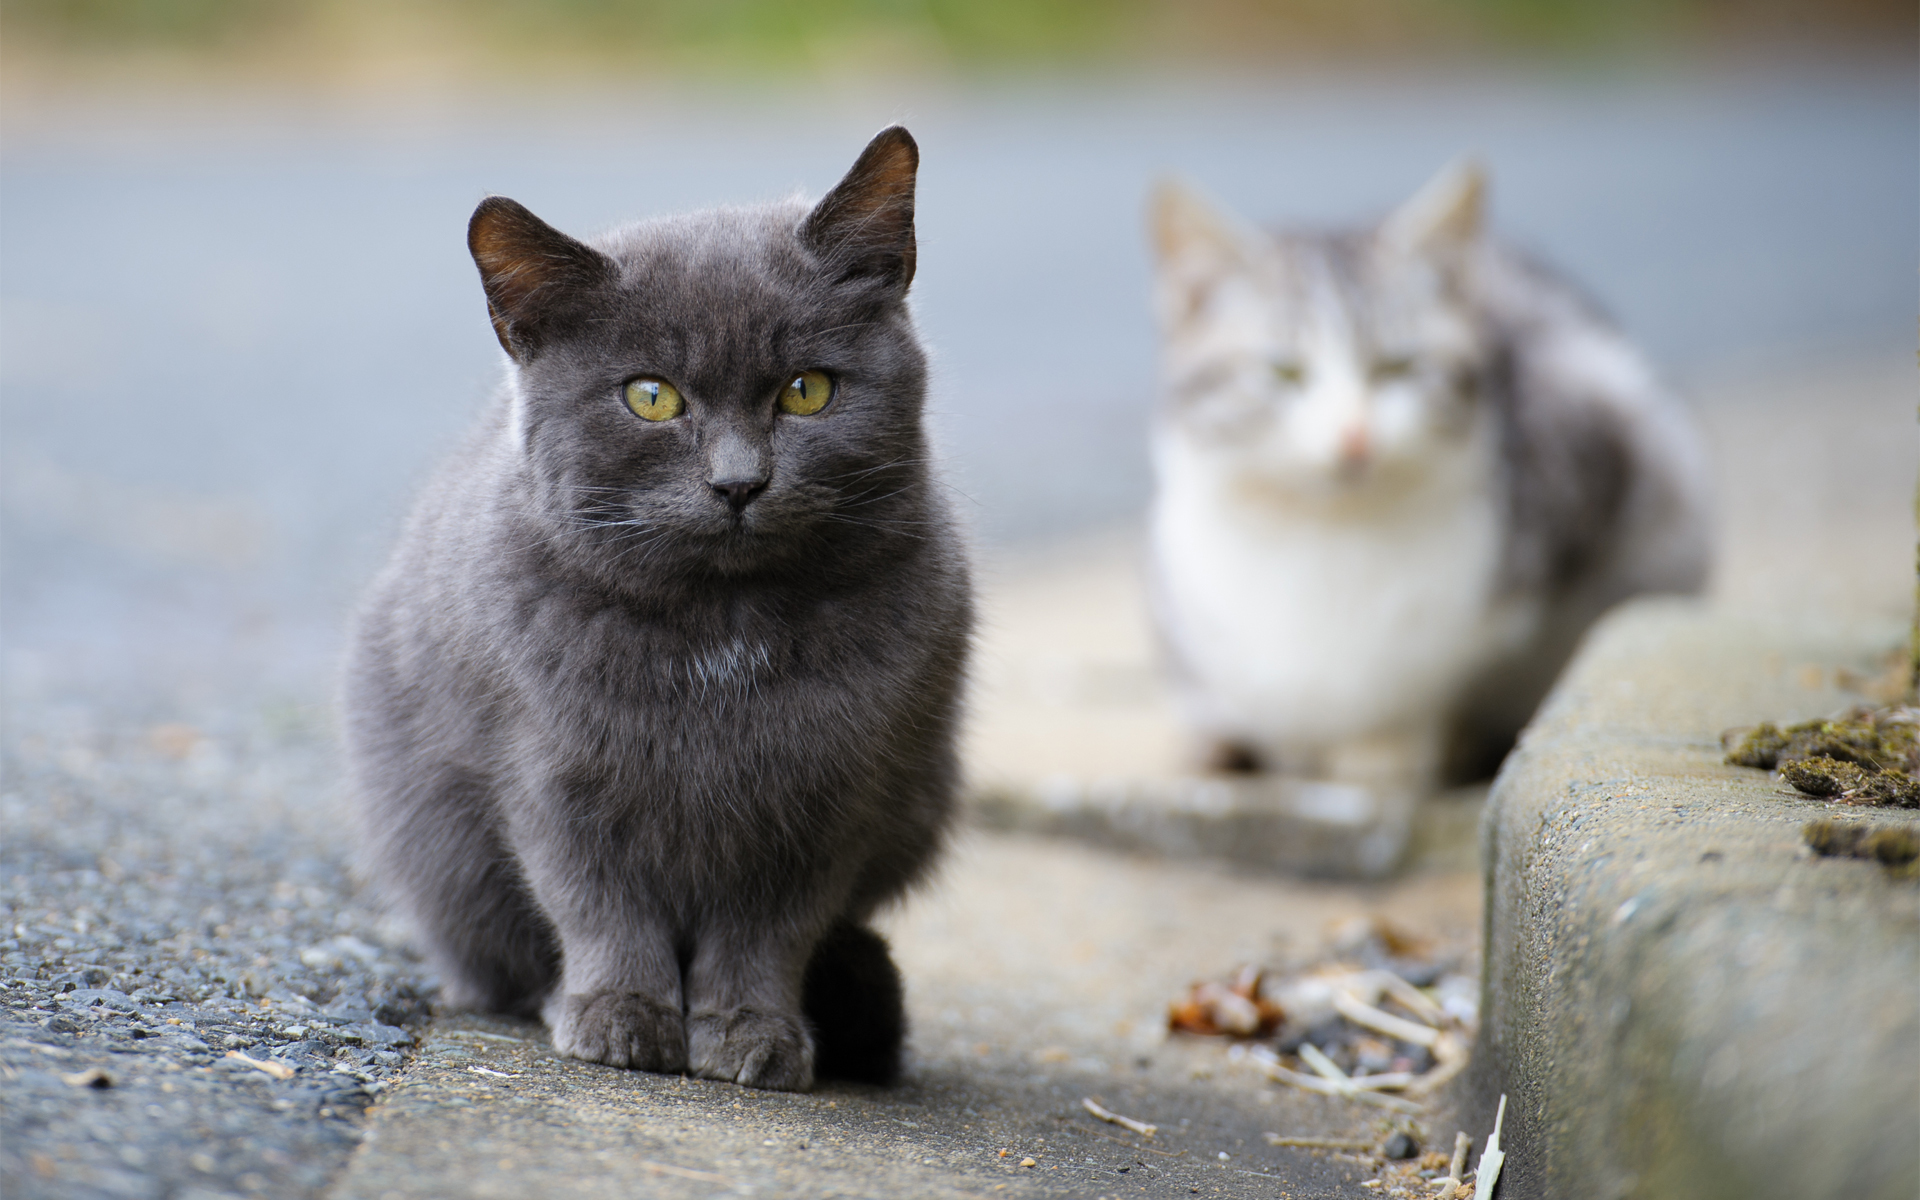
(1308, 625)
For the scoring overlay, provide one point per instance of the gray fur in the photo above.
(1606, 490)
(624, 751)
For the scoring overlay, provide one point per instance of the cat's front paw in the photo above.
(621, 1029)
(758, 1049)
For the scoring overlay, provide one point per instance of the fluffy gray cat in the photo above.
(655, 703)
(1400, 470)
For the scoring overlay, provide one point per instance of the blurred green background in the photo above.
(733, 37)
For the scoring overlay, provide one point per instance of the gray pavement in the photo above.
(489, 1111)
(175, 895)
(179, 894)
(1038, 974)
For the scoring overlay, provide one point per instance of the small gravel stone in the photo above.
(154, 911)
(375, 1034)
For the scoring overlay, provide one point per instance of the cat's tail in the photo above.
(853, 999)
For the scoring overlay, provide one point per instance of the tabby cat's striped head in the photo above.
(1323, 364)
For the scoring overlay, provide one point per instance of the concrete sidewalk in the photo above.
(1038, 974)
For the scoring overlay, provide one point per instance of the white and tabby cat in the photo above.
(1399, 470)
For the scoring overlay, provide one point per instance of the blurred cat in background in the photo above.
(1399, 470)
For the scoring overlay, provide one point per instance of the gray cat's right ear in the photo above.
(531, 271)
(863, 229)
(1196, 246)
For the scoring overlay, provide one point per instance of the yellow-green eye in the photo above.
(654, 399)
(807, 393)
(1290, 373)
(1397, 366)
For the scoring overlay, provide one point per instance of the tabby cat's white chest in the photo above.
(1302, 625)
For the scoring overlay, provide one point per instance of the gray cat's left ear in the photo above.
(533, 274)
(1443, 217)
(863, 229)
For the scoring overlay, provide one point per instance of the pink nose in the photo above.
(1354, 448)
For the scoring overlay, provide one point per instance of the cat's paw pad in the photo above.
(747, 1046)
(621, 1029)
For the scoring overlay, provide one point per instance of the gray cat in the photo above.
(655, 704)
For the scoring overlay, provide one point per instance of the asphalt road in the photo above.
(176, 896)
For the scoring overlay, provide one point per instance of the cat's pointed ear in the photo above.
(1188, 228)
(864, 226)
(531, 271)
(1444, 217)
(1196, 244)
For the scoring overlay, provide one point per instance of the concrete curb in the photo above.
(1328, 830)
(1680, 1000)
(1305, 828)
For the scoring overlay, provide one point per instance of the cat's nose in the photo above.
(737, 467)
(739, 492)
(1355, 448)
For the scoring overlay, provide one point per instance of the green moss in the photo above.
(1758, 747)
(1823, 777)
(1833, 779)
(1892, 789)
(1865, 756)
(1856, 740)
(1893, 846)
(1833, 839)
(1878, 739)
